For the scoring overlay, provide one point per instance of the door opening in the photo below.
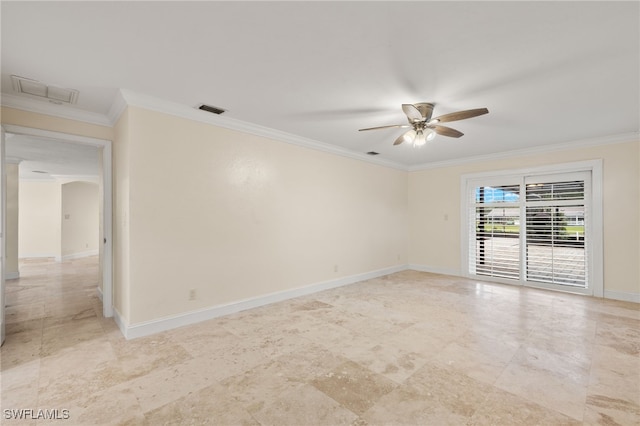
(105, 243)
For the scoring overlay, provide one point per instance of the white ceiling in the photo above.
(549, 72)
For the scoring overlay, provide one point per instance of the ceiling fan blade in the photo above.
(460, 115)
(413, 114)
(384, 127)
(405, 137)
(447, 131)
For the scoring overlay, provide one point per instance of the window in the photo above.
(534, 228)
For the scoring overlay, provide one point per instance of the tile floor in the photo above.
(410, 348)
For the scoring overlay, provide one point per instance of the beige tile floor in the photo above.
(410, 348)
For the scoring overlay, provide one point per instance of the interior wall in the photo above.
(233, 216)
(11, 211)
(434, 211)
(39, 221)
(121, 252)
(80, 220)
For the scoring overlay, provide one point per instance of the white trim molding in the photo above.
(147, 328)
(38, 256)
(623, 296)
(80, 255)
(12, 275)
(107, 201)
(60, 111)
(194, 114)
(126, 97)
(543, 149)
(435, 270)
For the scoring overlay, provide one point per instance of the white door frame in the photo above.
(596, 254)
(107, 213)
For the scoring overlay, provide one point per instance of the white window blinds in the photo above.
(531, 229)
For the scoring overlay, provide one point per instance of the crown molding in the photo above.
(194, 114)
(127, 97)
(117, 108)
(60, 111)
(544, 149)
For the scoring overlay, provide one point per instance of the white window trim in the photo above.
(596, 254)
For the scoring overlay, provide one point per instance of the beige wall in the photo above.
(39, 223)
(11, 258)
(79, 219)
(433, 194)
(237, 216)
(121, 252)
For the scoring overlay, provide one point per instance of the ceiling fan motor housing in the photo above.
(425, 108)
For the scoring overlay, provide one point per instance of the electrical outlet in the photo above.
(192, 294)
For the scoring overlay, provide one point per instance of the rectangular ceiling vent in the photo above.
(54, 94)
(211, 109)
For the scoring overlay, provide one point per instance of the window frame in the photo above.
(502, 177)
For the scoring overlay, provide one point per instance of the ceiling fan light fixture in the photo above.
(409, 136)
(422, 137)
(424, 127)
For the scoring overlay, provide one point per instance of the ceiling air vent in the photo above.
(54, 94)
(211, 109)
(372, 153)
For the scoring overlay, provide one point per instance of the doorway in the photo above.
(540, 227)
(104, 181)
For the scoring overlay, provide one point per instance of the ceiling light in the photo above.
(410, 136)
(422, 138)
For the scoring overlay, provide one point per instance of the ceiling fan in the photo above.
(424, 128)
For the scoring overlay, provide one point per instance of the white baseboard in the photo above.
(167, 323)
(120, 322)
(615, 295)
(12, 275)
(80, 255)
(621, 295)
(38, 256)
(435, 270)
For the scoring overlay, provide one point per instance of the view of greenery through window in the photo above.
(558, 224)
(552, 216)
